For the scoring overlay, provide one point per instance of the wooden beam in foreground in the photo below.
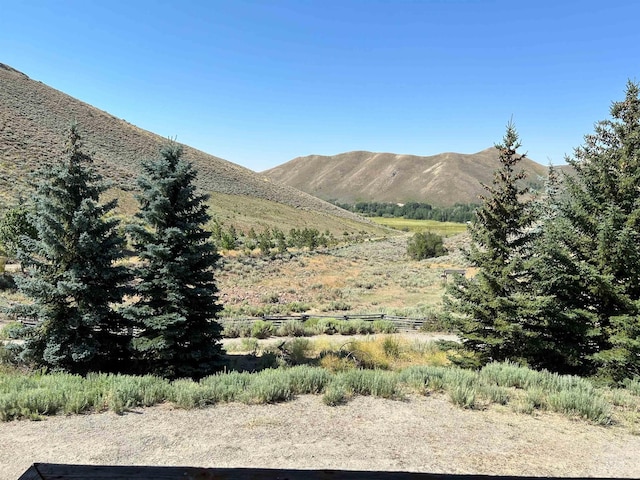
(50, 471)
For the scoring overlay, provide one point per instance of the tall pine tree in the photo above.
(73, 278)
(176, 310)
(496, 306)
(600, 222)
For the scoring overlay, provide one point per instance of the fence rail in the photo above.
(404, 324)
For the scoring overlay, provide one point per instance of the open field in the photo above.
(410, 225)
(369, 277)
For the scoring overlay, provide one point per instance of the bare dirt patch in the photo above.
(425, 434)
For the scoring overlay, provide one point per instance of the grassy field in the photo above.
(409, 225)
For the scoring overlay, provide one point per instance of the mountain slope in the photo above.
(34, 119)
(442, 179)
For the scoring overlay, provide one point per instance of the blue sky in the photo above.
(261, 82)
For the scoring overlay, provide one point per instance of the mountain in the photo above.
(442, 180)
(34, 120)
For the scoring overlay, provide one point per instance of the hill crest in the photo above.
(34, 119)
(442, 179)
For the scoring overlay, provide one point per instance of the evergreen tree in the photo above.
(600, 224)
(177, 296)
(72, 276)
(495, 308)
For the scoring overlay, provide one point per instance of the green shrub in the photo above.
(297, 307)
(581, 404)
(370, 382)
(232, 329)
(384, 326)
(391, 347)
(495, 394)
(346, 327)
(326, 326)
(292, 328)
(633, 385)
(425, 245)
(7, 282)
(12, 331)
(334, 395)
(362, 327)
(308, 380)
(463, 395)
(261, 329)
(297, 350)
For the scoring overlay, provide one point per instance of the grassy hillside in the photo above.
(442, 180)
(34, 119)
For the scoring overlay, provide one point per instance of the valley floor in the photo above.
(426, 434)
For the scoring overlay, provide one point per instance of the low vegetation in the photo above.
(501, 385)
(409, 225)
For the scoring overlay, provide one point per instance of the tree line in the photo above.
(460, 212)
(92, 312)
(558, 285)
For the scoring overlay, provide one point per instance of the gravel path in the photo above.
(420, 434)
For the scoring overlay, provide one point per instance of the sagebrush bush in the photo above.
(581, 404)
(384, 326)
(261, 329)
(292, 328)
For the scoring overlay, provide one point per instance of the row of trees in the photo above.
(559, 277)
(270, 238)
(460, 212)
(91, 311)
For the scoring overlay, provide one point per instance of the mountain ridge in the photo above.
(442, 179)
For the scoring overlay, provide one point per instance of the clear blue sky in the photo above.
(261, 82)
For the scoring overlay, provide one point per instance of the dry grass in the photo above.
(373, 276)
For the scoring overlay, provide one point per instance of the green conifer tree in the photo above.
(495, 308)
(600, 223)
(72, 275)
(176, 310)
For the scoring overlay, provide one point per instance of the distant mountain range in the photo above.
(442, 180)
(34, 120)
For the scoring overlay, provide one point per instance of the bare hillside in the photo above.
(442, 179)
(34, 119)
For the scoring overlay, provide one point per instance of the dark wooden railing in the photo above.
(49, 471)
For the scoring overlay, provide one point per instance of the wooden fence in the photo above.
(404, 324)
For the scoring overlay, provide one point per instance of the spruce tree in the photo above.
(72, 276)
(176, 310)
(600, 223)
(495, 307)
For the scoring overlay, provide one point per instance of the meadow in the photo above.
(410, 225)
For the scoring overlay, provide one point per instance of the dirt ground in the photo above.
(422, 434)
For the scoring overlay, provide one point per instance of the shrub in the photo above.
(292, 328)
(261, 329)
(581, 404)
(346, 327)
(633, 385)
(463, 395)
(297, 350)
(326, 326)
(384, 326)
(370, 382)
(391, 347)
(7, 282)
(334, 395)
(425, 245)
